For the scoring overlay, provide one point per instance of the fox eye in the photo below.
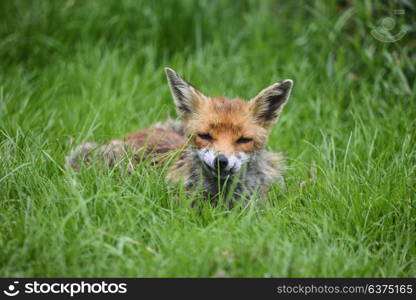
(205, 136)
(244, 140)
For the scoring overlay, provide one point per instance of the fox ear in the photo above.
(268, 104)
(185, 95)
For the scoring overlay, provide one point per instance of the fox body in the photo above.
(220, 141)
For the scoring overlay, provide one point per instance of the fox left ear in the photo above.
(185, 95)
(268, 104)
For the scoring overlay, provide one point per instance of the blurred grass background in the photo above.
(93, 70)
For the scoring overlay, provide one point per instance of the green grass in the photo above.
(93, 71)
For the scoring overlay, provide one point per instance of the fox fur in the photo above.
(220, 142)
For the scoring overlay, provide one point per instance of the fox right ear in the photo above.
(268, 104)
(185, 95)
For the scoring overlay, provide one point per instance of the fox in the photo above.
(221, 142)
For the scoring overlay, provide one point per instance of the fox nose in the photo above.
(221, 162)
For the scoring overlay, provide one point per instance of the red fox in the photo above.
(221, 141)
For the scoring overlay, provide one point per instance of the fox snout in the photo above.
(220, 163)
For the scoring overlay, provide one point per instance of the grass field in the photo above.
(93, 71)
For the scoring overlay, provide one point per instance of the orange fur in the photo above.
(226, 139)
(226, 120)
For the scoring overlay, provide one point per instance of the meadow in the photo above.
(93, 71)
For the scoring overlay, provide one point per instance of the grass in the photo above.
(93, 71)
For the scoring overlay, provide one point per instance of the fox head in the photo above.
(225, 133)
